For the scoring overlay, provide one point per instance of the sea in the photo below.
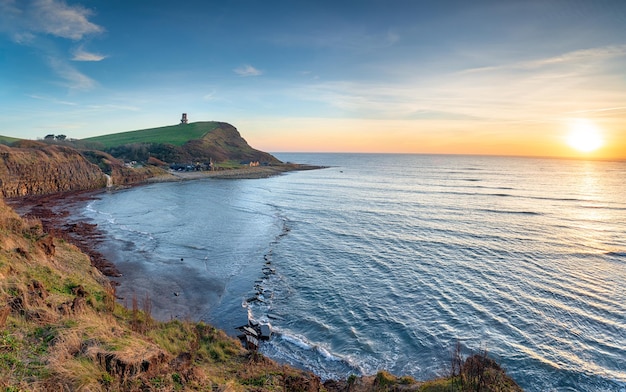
(386, 261)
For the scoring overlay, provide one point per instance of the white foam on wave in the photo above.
(303, 343)
(90, 209)
(299, 341)
(140, 233)
(298, 351)
(89, 206)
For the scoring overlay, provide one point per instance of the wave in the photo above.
(140, 233)
(511, 212)
(521, 196)
(298, 350)
(91, 210)
(616, 253)
(604, 207)
(302, 343)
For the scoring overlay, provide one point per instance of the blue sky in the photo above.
(494, 77)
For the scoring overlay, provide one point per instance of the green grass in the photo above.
(7, 139)
(173, 134)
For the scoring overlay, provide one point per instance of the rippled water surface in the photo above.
(384, 261)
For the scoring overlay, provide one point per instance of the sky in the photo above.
(391, 76)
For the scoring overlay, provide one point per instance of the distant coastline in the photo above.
(242, 173)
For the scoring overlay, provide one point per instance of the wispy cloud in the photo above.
(29, 22)
(54, 17)
(209, 97)
(545, 90)
(392, 37)
(60, 19)
(81, 54)
(25, 38)
(74, 79)
(247, 70)
(600, 110)
(104, 107)
(115, 107)
(574, 57)
(53, 100)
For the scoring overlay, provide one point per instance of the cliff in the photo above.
(225, 143)
(198, 142)
(33, 168)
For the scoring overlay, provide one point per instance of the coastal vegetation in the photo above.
(7, 140)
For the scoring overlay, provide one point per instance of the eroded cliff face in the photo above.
(225, 143)
(35, 168)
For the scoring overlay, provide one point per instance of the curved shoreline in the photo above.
(56, 210)
(242, 173)
(56, 215)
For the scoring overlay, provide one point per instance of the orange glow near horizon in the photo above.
(435, 137)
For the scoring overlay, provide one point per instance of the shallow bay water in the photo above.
(385, 261)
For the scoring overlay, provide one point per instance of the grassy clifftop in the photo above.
(197, 143)
(176, 135)
(7, 140)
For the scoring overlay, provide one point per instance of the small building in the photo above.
(184, 119)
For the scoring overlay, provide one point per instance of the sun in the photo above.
(584, 136)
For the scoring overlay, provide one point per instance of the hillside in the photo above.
(7, 140)
(199, 142)
(176, 135)
(55, 165)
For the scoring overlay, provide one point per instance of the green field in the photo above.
(7, 140)
(173, 134)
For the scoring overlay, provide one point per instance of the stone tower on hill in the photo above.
(184, 119)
